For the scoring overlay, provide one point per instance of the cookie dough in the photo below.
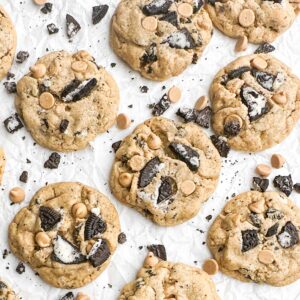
(8, 42)
(67, 234)
(67, 100)
(256, 238)
(6, 292)
(160, 38)
(255, 102)
(260, 20)
(165, 170)
(159, 279)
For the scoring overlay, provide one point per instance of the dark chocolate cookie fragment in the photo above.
(167, 189)
(260, 184)
(13, 123)
(266, 80)
(63, 125)
(53, 161)
(161, 106)
(221, 145)
(11, 87)
(68, 296)
(181, 39)
(256, 103)
(47, 8)
(24, 177)
(100, 254)
(157, 7)
(149, 172)
(49, 217)
(197, 4)
(203, 117)
(264, 48)
(93, 226)
(284, 184)
(272, 230)
(73, 26)
(186, 154)
(250, 239)
(274, 214)
(116, 146)
(188, 114)
(255, 219)
(22, 56)
(288, 236)
(52, 28)
(99, 13)
(170, 17)
(158, 250)
(149, 56)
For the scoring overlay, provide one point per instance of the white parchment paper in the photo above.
(184, 243)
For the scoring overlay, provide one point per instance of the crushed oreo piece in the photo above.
(53, 161)
(20, 268)
(73, 26)
(250, 239)
(158, 250)
(181, 39)
(49, 217)
(221, 145)
(98, 255)
(24, 177)
(186, 154)
(52, 28)
(272, 230)
(265, 48)
(99, 13)
(237, 73)
(188, 114)
(278, 81)
(63, 125)
(77, 89)
(122, 238)
(10, 76)
(274, 214)
(260, 184)
(170, 17)
(47, 8)
(167, 189)
(288, 236)
(68, 296)
(93, 226)
(149, 56)
(256, 103)
(116, 146)
(157, 7)
(149, 172)
(232, 128)
(297, 187)
(266, 80)
(255, 219)
(284, 184)
(13, 123)
(21, 56)
(203, 117)
(161, 106)
(144, 89)
(11, 87)
(197, 4)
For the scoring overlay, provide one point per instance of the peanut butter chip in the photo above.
(16, 195)
(79, 210)
(246, 17)
(263, 170)
(123, 121)
(185, 9)
(38, 70)
(42, 239)
(136, 163)
(125, 179)
(79, 66)
(47, 101)
(201, 103)
(211, 267)
(259, 63)
(154, 142)
(266, 256)
(150, 260)
(241, 44)
(279, 98)
(39, 2)
(82, 296)
(257, 207)
(149, 23)
(188, 187)
(277, 161)
(174, 94)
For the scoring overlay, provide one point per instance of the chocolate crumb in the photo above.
(24, 177)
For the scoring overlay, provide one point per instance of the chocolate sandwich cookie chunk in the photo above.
(159, 279)
(160, 38)
(255, 102)
(67, 234)
(165, 170)
(256, 238)
(8, 42)
(67, 100)
(6, 292)
(259, 20)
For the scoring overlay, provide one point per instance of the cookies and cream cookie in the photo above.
(6, 292)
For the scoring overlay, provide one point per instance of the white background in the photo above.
(92, 166)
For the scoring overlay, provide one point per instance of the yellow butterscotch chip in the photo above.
(81, 296)
(280, 98)
(257, 207)
(16, 195)
(125, 179)
(42, 239)
(149, 23)
(123, 121)
(79, 66)
(266, 256)
(174, 94)
(79, 210)
(211, 267)
(201, 103)
(2, 164)
(247, 17)
(39, 2)
(259, 63)
(263, 170)
(277, 161)
(46, 100)
(154, 142)
(185, 9)
(38, 70)
(241, 43)
(136, 162)
(188, 187)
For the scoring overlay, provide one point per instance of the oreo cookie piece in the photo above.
(255, 102)
(188, 114)
(274, 214)
(13, 123)
(186, 154)
(73, 27)
(284, 184)
(122, 238)
(197, 5)
(93, 226)
(203, 117)
(221, 145)
(161, 106)
(2, 285)
(22, 56)
(237, 73)
(63, 125)
(65, 252)
(255, 219)
(116, 146)
(297, 187)
(265, 79)
(99, 253)
(47, 8)
(288, 236)
(49, 217)
(53, 161)
(158, 250)
(272, 230)
(99, 13)
(181, 39)
(149, 172)
(171, 17)
(250, 239)
(232, 128)
(24, 177)
(157, 7)
(20, 269)
(260, 184)
(52, 28)
(149, 56)
(167, 189)
(11, 87)
(265, 48)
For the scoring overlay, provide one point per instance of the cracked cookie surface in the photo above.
(67, 100)
(67, 234)
(255, 102)
(176, 37)
(260, 20)
(6, 292)
(8, 41)
(165, 170)
(256, 238)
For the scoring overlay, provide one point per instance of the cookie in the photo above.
(6, 292)
(160, 38)
(165, 170)
(255, 102)
(67, 234)
(67, 100)
(256, 238)
(260, 20)
(8, 42)
(159, 279)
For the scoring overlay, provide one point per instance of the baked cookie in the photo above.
(8, 42)
(255, 102)
(260, 20)
(165, 170)
(67, 234)
(160, 38)
(256, 237)
(67, 100)
(6, 292)
(159, 279)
